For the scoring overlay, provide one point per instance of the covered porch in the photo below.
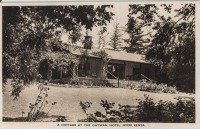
(130, 70)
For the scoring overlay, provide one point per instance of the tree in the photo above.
(75, 35)
(115, 39)
(173, 48)
(29, 31)
(140, 18)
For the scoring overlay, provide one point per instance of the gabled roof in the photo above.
(124, 56)
(115, 55)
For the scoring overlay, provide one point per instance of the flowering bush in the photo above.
(151, 87)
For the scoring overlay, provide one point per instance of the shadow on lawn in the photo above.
(52, 118)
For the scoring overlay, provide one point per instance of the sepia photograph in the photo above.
(120, 62)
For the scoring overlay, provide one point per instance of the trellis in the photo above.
(62, 60)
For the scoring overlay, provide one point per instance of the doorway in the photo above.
(136, 74)
(115, 69)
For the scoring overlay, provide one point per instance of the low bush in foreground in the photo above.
(183, 111)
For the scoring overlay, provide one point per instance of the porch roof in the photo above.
(115, 55)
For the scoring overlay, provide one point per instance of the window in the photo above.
(87, 66)
(84, 69)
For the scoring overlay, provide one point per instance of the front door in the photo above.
(136, 74)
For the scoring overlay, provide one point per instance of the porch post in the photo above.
(77, 70)
(61, 72)
(74, 71)
(140, 71)
(49, 74)
(124, 70)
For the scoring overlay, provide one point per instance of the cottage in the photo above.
(121, 65)
(73, 61)
(88, 63)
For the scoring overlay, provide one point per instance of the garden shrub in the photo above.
(124, 114)
(151, 87)
(183, 111)
(17, 87)
(163, 111)
(89, 82)
(95, 82)
(61, 119)
(36, 109)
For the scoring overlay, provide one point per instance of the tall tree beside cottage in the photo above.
(173, 47)
(167, 40)
(116, 38)
(140, 19)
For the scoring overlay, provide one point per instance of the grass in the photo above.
(68, 100)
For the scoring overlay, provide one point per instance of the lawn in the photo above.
(68, 100)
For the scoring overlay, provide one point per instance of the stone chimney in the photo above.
(88, 42)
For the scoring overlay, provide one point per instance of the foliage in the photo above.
(85, 106)
(61, 119)
(173, 48)
(149, 86)
(75, 34)
(149, 111)
(101, 42)
(116, 38)
(167, 40)
(17, 87)
(123, 115)
(146, 111)
(183, 111)
(30, 31)
(140, 17)
(95, 82)
(153, 87)
(36, 109)
(87, 82)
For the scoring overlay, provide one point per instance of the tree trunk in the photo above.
(104, 70)
(74, 75)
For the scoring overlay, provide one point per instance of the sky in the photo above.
(121, 10)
